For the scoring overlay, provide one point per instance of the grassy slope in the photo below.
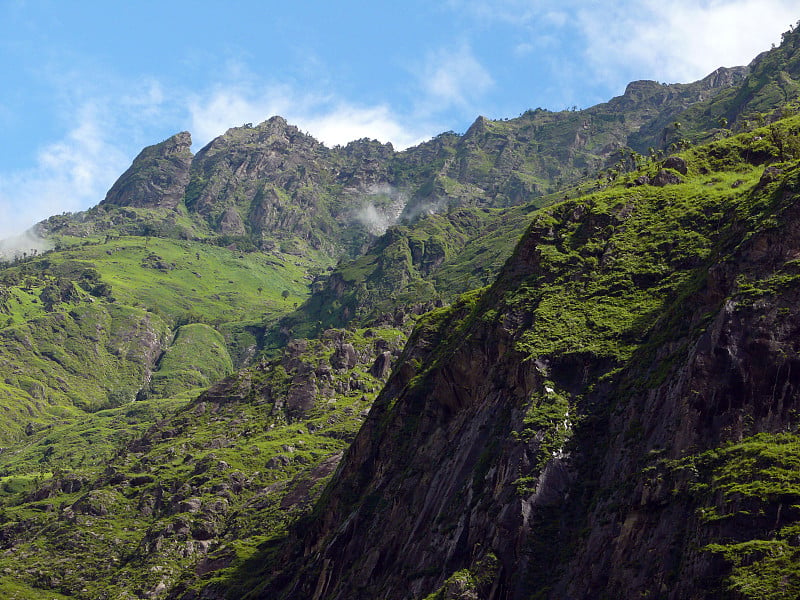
(605, 279)
(213, 476)
(174, 282)
(83, 327)
(613, 267)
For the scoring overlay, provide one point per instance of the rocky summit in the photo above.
(555, 356)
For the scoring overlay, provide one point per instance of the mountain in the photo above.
(613, 417)
(555, 356)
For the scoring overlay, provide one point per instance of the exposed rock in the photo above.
(344, 356)
(677, 164)
(233, 388)
(302, 395)
(664, 177)
(769, 175)
(231, 222)
(158, 176)
(191, 505)
(436, 480)
(140, 480)
(300, 487)
(382, 365)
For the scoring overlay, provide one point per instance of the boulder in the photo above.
(664, 177)
(344, 357)
(676, 163)
(382, 365)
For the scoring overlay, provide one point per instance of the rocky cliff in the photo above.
(158, 176)
(573, 430)
(611, 413)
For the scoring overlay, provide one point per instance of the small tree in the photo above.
(285, 294)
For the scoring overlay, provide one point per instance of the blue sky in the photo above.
(87, 84)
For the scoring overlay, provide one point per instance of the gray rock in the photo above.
(677, 164)
(382, 365)
(302, 395)
(769, 175)
(664, 177)
(158, 176)
(344, 357)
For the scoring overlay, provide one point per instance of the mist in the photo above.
(382, 206)
(22, 245)
(412, 212)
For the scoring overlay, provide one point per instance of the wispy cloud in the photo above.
(73, 173)
(69, 175)
(105, 130)
(682, 40)
(346, 122)
(330, 120)
(109, 119)
(613, 43)
(452, 77)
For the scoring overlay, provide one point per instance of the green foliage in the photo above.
(119, 300)
(762, 569)
(141, 488)
(139, 301)
(196, 358)
(757, 479)
(547, 419)
(469, 583)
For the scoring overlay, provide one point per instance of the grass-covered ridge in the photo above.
(604, 299)
(147, 437)
(84, 327)
(207, 482)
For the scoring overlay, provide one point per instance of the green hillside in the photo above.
(553, 357)
(85, 327)
(632, 363)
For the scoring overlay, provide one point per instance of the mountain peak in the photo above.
(158, 176)
(724, 77)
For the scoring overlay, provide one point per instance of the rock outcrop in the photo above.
(158, 176)
(497, 463)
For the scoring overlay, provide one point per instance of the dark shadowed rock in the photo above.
(664, 177)
(158, 176)
(344, 357)
(676, 163)
(231, 223)
(302, 394)
(382, 365)
(769, 175)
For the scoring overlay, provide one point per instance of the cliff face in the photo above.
(661, 505)
(615, 416)
(574, 430)
(257, 172)
(158, 176)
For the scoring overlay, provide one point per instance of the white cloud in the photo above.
(213, 113)
(333, 122)
(605, 45)
(69, 175)
(677, 41)
(346, 122)
(682, 40)
(75, 172)
(570, 40)
(452, 77)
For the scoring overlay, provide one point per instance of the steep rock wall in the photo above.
(558, 472)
